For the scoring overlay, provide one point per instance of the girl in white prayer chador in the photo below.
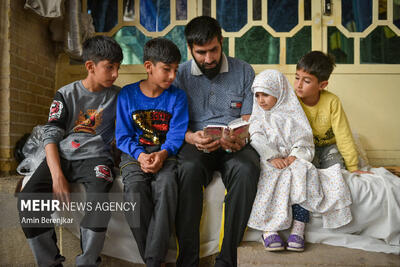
(290, 186)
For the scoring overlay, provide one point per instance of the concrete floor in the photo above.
(14, 250)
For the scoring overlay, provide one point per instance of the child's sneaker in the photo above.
(273, 242)
(295, 243)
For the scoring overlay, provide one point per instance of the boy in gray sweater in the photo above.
(77, 140)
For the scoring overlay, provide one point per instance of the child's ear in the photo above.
(148, 65)
(323, 85)
(90, 66)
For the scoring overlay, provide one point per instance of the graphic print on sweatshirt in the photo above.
(88, 122)
(154, 124)
(329, 135)
(55, 110)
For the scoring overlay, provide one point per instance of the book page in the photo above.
(214, 131)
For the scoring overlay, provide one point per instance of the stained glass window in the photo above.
(340, 46)
(282, 14)
(232, 14)
(132, 42)
(257, 46)
(104, 14)
(380, 46)
(181, 9)
(298, 45)
(154, 14)
(396, 13)
(177, 36)
(356, 14)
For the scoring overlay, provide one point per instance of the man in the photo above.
(219, 90)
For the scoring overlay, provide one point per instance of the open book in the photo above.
(236, 127)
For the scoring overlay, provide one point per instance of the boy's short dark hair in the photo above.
(161, 50)
(100, 48)
(201, 30)
(318, 64)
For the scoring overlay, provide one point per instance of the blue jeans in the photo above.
(326, 156)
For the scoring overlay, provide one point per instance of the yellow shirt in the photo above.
(330, 125)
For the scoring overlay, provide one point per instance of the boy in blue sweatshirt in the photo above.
(152, 119)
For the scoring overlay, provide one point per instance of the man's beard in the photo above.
(209, 73)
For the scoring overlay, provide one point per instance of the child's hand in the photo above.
(61, 188)
(289, 160)
(145, 161)
(362, 172)
(157, 161)
(278, 163)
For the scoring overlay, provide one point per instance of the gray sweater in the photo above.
(81, 122)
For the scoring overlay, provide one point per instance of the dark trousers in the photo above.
(96, 176)
(156, 197)
(300, 214)
(97, 186)
(240, 173)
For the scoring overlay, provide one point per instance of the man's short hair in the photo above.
(161, 50)
(202, 30)
(318, 64)
(100, 48)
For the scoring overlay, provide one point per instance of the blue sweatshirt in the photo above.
(146, 121)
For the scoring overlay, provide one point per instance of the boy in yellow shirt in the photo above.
(332, 134)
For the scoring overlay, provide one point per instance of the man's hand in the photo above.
(232, 143)
(61, 188)
(201, 141)
(246, 117)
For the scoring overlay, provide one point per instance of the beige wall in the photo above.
(371, 102)
(27, 76)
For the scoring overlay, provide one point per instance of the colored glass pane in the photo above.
(307, 9)
(356, 14)
(298, 45)
(177, 36)
(232, 14)
(382, 11)
(257, 9)
(380, 46)
(283, 14)
(129, 10)
(132, 42)
(181, 9)
(154, 14)
(340, 46)
(396, 13)
(225, 46)
(104, 14)
(257, 46)
(206, 8)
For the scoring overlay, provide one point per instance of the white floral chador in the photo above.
(281, 132)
